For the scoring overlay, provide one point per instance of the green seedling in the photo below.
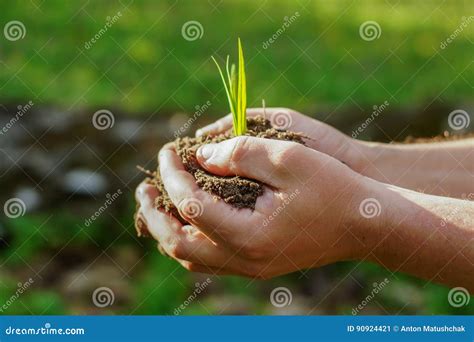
(236, 91)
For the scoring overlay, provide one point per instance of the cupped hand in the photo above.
(322, 137)
(307, 217)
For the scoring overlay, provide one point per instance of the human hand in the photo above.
(304, 219)
(322, 137)
(428, 163)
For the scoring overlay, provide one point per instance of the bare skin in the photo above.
(315, 210)
(443, 168)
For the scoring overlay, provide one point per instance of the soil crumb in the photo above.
(237, 191)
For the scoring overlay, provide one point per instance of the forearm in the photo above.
(428, 236)
(445, 169)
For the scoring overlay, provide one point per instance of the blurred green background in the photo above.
(144, 70)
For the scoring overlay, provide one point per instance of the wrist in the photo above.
(361, 210)
(367, 217)
(389, 232)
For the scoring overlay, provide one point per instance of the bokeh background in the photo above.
(152, 72)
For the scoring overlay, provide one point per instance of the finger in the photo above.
(282, 118)
(183, 242)
(225, 123)
(198, 249)
(214, 218)
(216, 127)
(140, 225)
(186, 243)
(145, 193)
(154, 219)
(199, 268)
(250, 157)
(177, 240)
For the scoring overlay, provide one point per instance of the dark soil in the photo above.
(237, 191)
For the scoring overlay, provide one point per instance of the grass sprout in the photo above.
(236, 90)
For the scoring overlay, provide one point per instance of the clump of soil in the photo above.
(237, 191)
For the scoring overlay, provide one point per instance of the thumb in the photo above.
(250, 157)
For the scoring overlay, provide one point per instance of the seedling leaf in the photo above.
(229, 97)
(236, 91)
(242, 95)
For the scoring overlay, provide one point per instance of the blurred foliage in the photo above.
(159, 285)
(143, 63)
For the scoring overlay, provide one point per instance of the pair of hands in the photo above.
(308, 216)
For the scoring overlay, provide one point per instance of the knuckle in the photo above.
(194, 267)
(165, 149)
(287, 155)
(191, 207)
(141, 190)
(178, 250)
(239, 150)
(189, 266)
(231, 239)
(138, 193)
(255, 250)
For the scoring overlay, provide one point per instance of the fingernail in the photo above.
(205, 152)
(199, 132)
(141, 226)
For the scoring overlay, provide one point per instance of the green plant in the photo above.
(236, 91)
